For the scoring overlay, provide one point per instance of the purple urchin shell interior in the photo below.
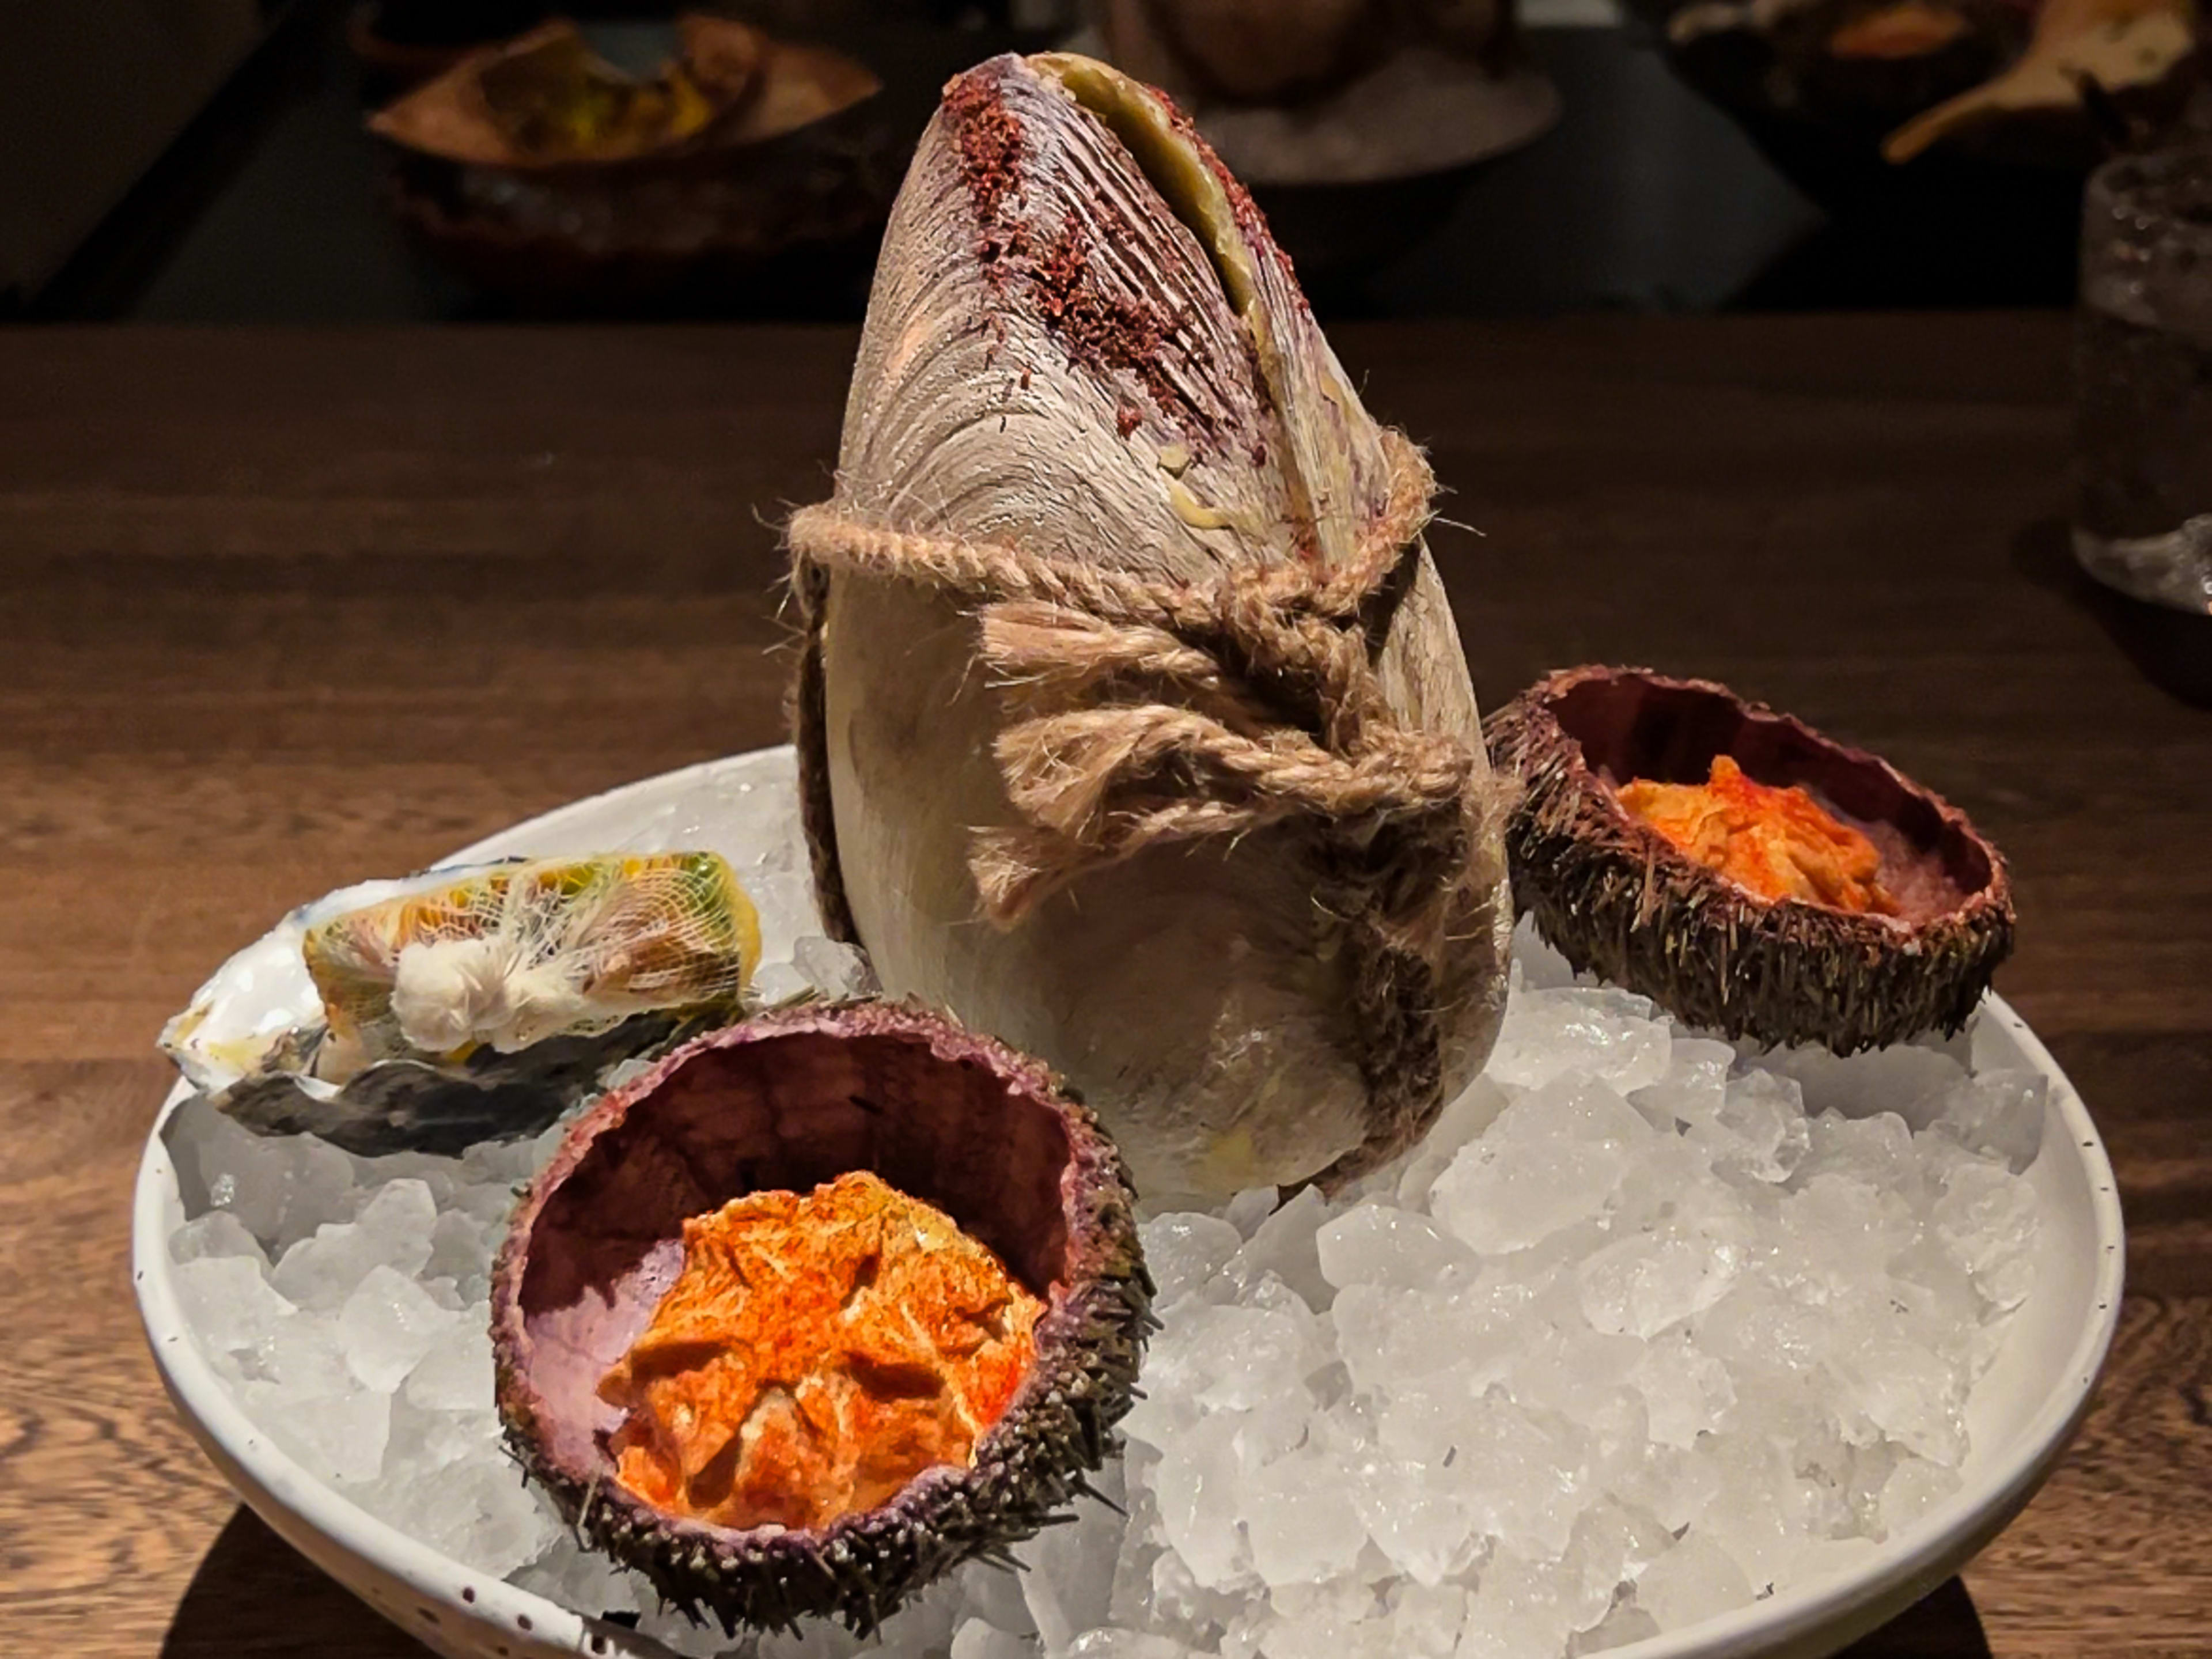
(1620, 900)
(1630, 725)
(790, 1101)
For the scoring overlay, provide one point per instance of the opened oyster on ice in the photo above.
(470, 1003)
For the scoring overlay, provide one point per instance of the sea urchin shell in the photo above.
(1617, 899)
(790, 1101)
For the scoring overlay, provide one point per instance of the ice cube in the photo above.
(1914, 1487)
(1695, 1083)
(1825, 1558)
(387, 1325)
(583, 1582)
(226, 1302)
(1186, 1609)
(1113, 1643)
(502, 1165)
(481, 1512)
(1250, 1207)
(1301, 1532)
(1389, 1338)
(392, 1230)
(1842, 1230)
(1686, 1390)
(1572, 1109)
(1520, 1610)
(1877, 1150)
(1380, 1244)
(1625, 1624)
(834, 969)
(1200, 1504)
(974, 1639)
(1760, 1134)
(1536, 966)
(1416, 1511)
(1691, 1582)
(455, 1373)
(1766, 1339)
(1527, 1476)
(279, 1186)
(423, 1441)
(1396, 1339)
(1500, 1197)
(1760, 1513)
(1462, 1119)
(461, 1249)
(1593, 1031)
(1907, 1078)
(218, 1233)
(1986, 1220)
(1282, 1246)
(1643, 1284)
(1069, 1585)
(1425, 1619)
(1677, 1486)
(1907, 1392)
(1245, 1353)
(1272, 1429)
(336, 1430)
(372, 1174)
(1997, 1113)
(994, 1594)
(303, 1353)
(1611, 1547)
(1184, 1250)
(776, 982)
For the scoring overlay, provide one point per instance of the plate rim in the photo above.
(1843, 1606)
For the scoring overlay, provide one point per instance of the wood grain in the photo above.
(287, 609)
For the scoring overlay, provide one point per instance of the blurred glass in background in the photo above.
(2143, 367)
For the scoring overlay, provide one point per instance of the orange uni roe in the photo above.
(1777, 842)
(816, 1354)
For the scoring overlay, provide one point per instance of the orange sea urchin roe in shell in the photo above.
(1776, 842)
(816, 1354)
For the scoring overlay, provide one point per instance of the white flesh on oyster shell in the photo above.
(262, 995)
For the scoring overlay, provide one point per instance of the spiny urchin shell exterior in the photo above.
(1617, 899)
(1058, 1428)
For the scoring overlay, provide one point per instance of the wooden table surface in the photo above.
(284, 610)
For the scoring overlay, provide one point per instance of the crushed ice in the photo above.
(1647, 1328)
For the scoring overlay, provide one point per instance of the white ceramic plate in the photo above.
(2019, 1415)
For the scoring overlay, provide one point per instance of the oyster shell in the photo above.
(293, 1035)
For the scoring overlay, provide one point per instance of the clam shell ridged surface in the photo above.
(1064, 357)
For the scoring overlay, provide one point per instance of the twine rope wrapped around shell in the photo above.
(1156, 711)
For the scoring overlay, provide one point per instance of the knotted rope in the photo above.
(1150, 712)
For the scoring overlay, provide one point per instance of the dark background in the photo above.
(256, 198)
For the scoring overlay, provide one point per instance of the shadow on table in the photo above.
(255, 1597)
(2170, 649)
(1942, 1624)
